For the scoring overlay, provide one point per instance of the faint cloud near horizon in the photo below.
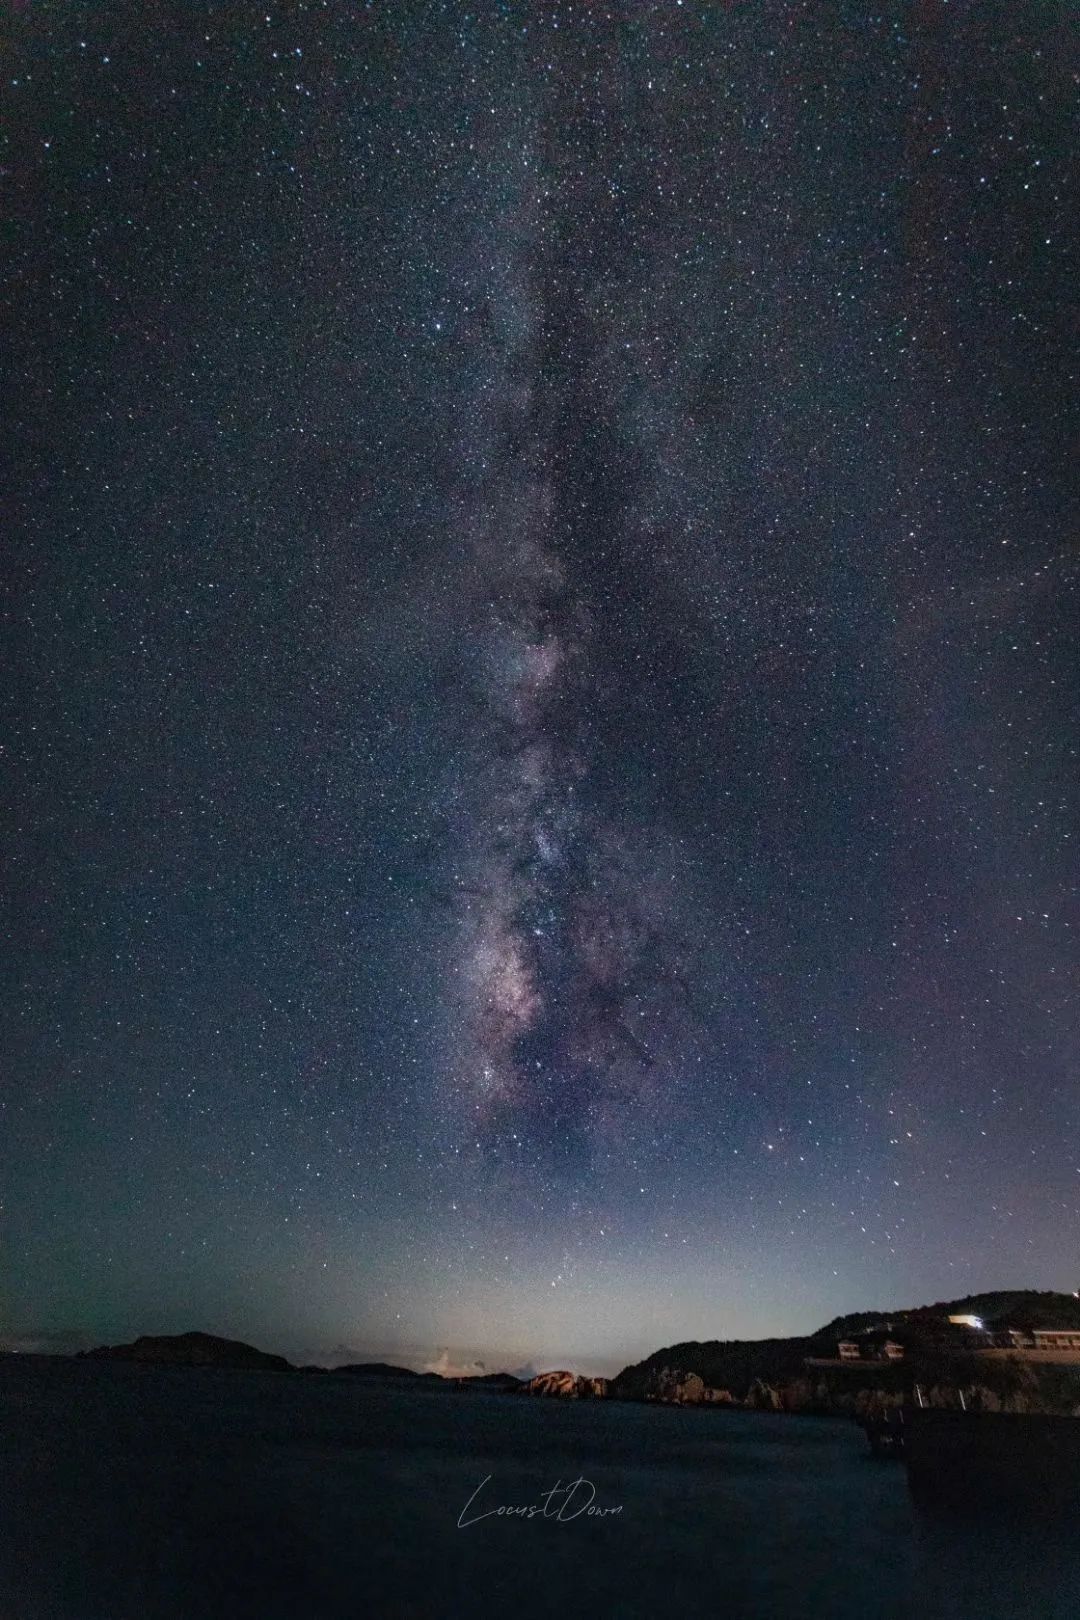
(47, 1343)
(451, 1366)
(448, 1366)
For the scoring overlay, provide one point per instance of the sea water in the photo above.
(128, 1493)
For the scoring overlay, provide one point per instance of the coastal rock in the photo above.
(553, 1383)
(731, 1364)
(568, 1385)
(675, 1387)
(797, 1396)
(762, 1397)
(871, 1405)
(984, 1400)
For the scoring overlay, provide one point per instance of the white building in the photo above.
(1056, 1339)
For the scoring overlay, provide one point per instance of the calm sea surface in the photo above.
(130, 1493)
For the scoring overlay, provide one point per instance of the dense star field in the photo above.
(542, 729)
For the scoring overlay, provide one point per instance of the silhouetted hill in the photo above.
(383, 1369)
(497, 1381)
(190, 1350)
(1019, 1307)
(732, 1364)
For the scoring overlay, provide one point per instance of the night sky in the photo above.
(542, 710)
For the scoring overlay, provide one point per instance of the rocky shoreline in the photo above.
(935, 1362)
(1009, 1387)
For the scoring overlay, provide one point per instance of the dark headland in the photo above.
(190, 1350)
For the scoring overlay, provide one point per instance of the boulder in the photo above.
(568, 1385)
(871, 1405)
(675, 1387)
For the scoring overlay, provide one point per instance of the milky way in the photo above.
(568, 971)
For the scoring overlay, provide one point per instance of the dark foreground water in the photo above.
(130, 1493)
